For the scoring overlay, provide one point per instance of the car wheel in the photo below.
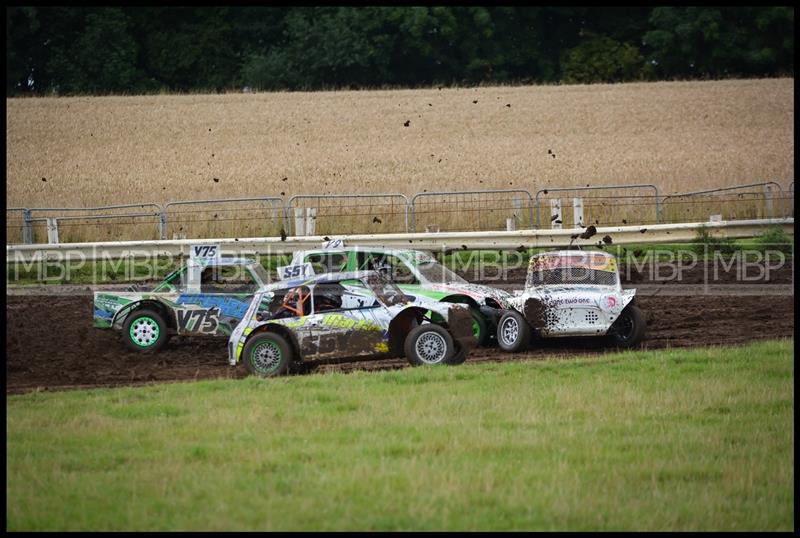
(479, 328)
(628, 329)
(458, 358)
(145, 330)
(429, 344)
(513, 332)
(267, 355)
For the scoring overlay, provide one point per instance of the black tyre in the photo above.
(628, 330)
(145, 330)
(267, 355)
(479, 328)
(513, 332)
(428, 344)
(458, 358)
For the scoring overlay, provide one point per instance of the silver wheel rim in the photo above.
(266, 356)
(431, 348)
(509, 331)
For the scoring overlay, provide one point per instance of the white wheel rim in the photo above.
(144, 332)
(431, 348)
(509, 332)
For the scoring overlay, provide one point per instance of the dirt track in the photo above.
(52, 345)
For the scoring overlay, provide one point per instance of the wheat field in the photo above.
(94, 151)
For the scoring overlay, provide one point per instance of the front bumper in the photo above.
(232, 355)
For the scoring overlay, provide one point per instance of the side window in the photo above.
(227, 279)
(289, 303)
(367, 261)
(238, 279)
(263, 311)
(317, 262)
(325, 262)
(173, 281)
(328, 297)
(209, 281)
(399, 271)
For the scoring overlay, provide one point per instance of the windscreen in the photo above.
(387, 292)
(173, 280)
(580, 268)
(436, 273)
(261, 273)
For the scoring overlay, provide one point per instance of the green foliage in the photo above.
(102, 58)
(704, 243)
(187, 48)
(601, 59)
(156, 49)
(330, 46)
(22, 26)
(775, 239)
(717, 42)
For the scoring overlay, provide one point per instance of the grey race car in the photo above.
(346, 315)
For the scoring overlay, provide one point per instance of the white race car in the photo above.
(346, 315)
(572, 293)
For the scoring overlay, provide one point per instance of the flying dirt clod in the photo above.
(589, 232)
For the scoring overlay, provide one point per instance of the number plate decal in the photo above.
(204, 252)
(333, 243)
(295, 271)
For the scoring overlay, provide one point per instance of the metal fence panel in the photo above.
(18, 225)
(454, 211)
(106, 223)
(232, 217)
(602, 205)
(750, 201)
(340, 214)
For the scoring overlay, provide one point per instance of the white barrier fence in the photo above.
(494, 240)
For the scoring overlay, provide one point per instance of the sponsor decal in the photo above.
(228, 306)
(109, 302)
(416, 257)
(338, 321)
(611, 301)
(102, 323)
(584, 260)
(291, 323)
(570, 300)
(331, 321)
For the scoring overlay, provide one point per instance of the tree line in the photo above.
(101, 50)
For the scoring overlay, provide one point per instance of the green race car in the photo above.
(415, 273)
(205, 297)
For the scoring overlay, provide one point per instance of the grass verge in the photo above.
(666, 440)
